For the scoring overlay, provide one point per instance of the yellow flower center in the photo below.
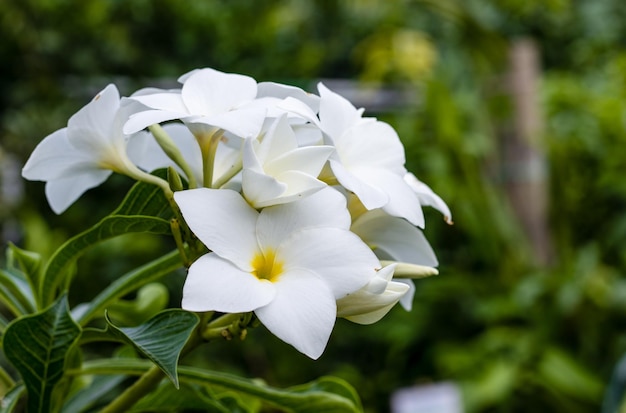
(266, 266)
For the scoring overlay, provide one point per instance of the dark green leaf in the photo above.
(37, 346)
(144, 209)
(15, 293)
(28, 262)
(161, 338)
(127, 283)
(9, 400)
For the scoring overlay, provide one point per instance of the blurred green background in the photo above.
(524, 318)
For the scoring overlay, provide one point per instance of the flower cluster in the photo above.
(304, 205)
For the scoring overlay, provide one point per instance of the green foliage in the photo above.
(38, 346)
(161, 339)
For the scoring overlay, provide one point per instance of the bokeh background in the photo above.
(512, 110)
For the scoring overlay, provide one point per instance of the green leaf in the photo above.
(161, 338)
(37, 346)
(15, 293)
(145, 209)
(9, 400)
(326, 394)
(29, 263)
(127, 283)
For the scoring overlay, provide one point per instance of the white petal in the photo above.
(297, 186)
(326, 208)
(215, 284)
(223, 221)
(407, 299)
(338, 256)
(54, 157)
(394, 238)
(142, 120)
(337, 114)
(296, 106)
(367, 307)
(278, 140)
(403, 202)
(258, 188)
(371, 145)
(371, 196)
(302, 313)
(281, 91)
(427, 196)
(209, 92)
(166, 101)
(62, 192)
(95, 118)
(309, 160)
(241, 122)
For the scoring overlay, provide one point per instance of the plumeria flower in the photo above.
(288, 263)
(369, 158)
(207, 97)
(372, 302)
(276, 170)
(84, 154)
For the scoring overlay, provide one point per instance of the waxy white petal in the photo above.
(371, 145)
(394, 238)
(260, 189)
(403, 202)
(354, 181)
(208, 91)
(338, 256)
(55, 157)
(142, 120)
(325, 208)
(427, 196)
(90, 128)
(223, 221)
(337, 114)
(373, 301)
(302, 313)
(215, 284)
(63, 192)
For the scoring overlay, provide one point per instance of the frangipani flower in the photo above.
(369, 158)
(372, 302)
(84, 154)
(288, 263)
(207, 97)
(276, 170)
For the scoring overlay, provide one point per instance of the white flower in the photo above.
(276, 170)
(288, 263)
(369, 158)
(372, 302)
(207, 97)
(84, 154)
